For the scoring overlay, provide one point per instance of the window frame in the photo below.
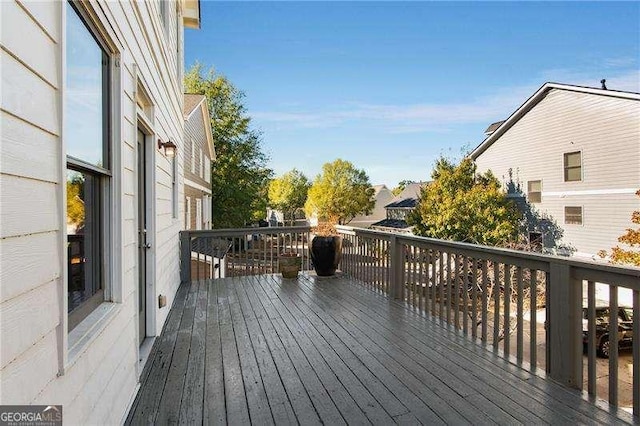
(530, 192)
(104, 182)
(566, 167)
(174, 187)
(573, 214)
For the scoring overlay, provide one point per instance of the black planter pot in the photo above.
(325, 254)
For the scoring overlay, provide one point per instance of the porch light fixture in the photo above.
(169, 147)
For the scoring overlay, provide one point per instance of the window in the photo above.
(174, 187)
(573, 215)
(164, 13)
(573, 166)
(201, 164)
(207, 170)
(535, 241)
(534, 191)
(88, 166)
(179, 60)
(193, 156)
(187, 213)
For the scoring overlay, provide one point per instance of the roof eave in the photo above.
(534, 100)
(191, 14)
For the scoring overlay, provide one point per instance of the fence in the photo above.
(530, 307)
(237, 252)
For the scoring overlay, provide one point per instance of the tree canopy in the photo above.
(288, 192)
(75, 205)
(239, 175)
(401, 186)
(462, 206)
(632, 239)
(340, 193)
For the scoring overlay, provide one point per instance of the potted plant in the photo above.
(326, 250)
(337, 195)
(289, 264)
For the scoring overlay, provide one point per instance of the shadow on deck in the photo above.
(264, 350)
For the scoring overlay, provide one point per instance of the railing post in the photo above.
(564, 326)
(185, 256)
(396, 265)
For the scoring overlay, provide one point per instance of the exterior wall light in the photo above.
(169, 147)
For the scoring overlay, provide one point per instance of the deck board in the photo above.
(263, 350)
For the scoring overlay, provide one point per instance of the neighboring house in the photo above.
(383, 196)
(198, 154)
(571, 157)
(91, 108)
(398, 211)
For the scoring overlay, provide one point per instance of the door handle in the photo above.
(147, 246)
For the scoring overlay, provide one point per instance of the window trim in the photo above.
(564, 210)
(103, 175)
(174, 187)
(565, 167)
(529, 191)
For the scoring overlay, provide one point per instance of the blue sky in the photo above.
(390, 86)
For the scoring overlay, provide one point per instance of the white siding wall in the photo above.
(100, 373)
(607, 132)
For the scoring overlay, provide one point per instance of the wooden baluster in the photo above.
(485, 301)
(591, 334)
(441, 284)
(465, 294)
(519, 315)
(507, 310)
(474, 299)
(496, 305)
(533, 325)
(613, 345)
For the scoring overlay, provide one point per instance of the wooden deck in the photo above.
(264, 350)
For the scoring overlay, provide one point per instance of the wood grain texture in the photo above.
(334, 351)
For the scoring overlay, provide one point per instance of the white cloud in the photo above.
(440, 117)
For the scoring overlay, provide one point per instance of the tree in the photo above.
(462, 206)
(75, 205)
(239, 174)
(288, 193)
(401, 186)
(340, 193)
(631, 238)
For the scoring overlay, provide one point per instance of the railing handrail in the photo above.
(235, 232)
(627, 276)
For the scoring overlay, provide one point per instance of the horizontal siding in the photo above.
(607, 132)
(28, 374)
(46, 15)
(37, 51)
(27, 319)
(102, 379)
(28, 206)
(31, 259)
(605, 218)
(19, 142)
(27, 96)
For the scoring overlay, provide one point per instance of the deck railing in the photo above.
(538, 310)
(236, 252)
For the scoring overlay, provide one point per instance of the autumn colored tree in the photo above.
(239, 174)
(288, 193)
(401, 186)
(632, 239)
(340, 193)
(75, 205)
(461, 205)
